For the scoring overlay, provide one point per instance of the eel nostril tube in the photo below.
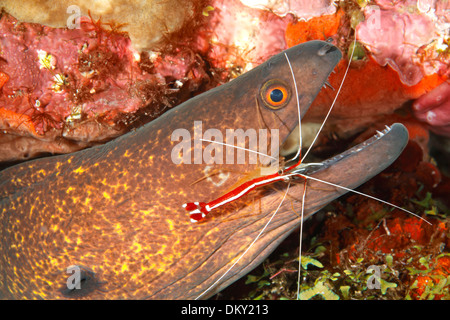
(327, 48)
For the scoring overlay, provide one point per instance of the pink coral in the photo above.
(87, 68)
(393, 38)
(243, 37)
(409, 35)
(303, 9)
(63, 89)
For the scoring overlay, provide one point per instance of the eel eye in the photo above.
(275, 94)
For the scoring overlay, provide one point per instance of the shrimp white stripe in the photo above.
(246, 190)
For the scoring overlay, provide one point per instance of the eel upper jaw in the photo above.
(375, 142)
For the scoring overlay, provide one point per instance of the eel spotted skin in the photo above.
(114, 212)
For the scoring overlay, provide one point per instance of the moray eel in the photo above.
(108, 223)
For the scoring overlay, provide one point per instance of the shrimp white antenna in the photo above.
(249, 247)
(242, 148)
(296, 156)
(298, 108)
(366, 195)
(300, 246)
(334, 101)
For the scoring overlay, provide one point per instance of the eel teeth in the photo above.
(382, 133)
(327, 84)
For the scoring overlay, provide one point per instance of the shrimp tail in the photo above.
(197, 210)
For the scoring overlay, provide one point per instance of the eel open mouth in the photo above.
(355, 166)
(388, 141)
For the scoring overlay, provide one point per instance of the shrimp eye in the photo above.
(275, 94)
